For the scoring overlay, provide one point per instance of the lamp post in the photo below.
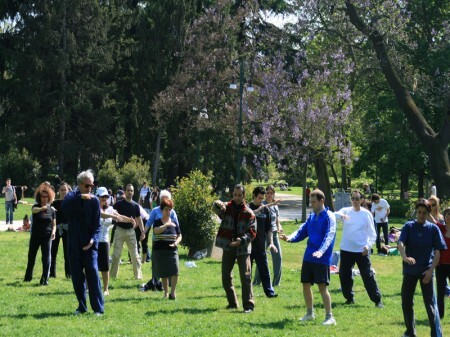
(241, 94)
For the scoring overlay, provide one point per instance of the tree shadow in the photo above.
(43, 315)
(189, 311)
(280, 325)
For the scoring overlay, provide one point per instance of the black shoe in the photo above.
(171, 297)
(349, 302)
(232, 306)
(248, 310)
(272, 295)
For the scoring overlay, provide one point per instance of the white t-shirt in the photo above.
(380, 210)
(358, 231)
(105, 225)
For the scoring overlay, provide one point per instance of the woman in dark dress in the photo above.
(42, 232)
(167, 236)
(61, 231)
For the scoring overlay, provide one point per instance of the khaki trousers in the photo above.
(129, 236)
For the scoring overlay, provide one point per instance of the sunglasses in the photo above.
(104, 196)
(44, 196)
(89, 186)
(356, 198)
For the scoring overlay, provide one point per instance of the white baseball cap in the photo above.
(102, 191)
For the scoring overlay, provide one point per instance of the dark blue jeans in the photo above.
(9, 208)
(260, 257)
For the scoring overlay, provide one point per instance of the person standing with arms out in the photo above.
(10, 200)
(420, 246)
(61, 231)
(44, 228)
(358, 236)
(263, 234)
(125, 233)
(320, 229)
(380, 210)
(236, 232)
(82, 210)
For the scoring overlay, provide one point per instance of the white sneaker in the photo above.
(329, 321)
(308, 317)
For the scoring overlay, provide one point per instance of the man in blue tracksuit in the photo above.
(82, 210)
(320, 229)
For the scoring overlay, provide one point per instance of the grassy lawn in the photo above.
(29, 310)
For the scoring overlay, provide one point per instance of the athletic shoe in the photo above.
(98, 314)
(379, 305)
(349, 302)
(248, 310)
(329, 321)
(106, 293)
(308, 317)
(78, 312)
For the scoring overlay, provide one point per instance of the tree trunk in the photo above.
(323, 181)
(62, 124)
(335, 177)
(420, 183)
(156, 158)
(404, 184)
(435, 144)
(344, 177)
(305, 171)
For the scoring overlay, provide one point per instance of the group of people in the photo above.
(82, 220)
(422, 245)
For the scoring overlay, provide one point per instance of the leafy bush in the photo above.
(109, 176)
(193, 203)
(21, 167)
(399, 208)
(135, 172)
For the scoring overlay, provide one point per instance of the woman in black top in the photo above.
(42, 232)
(61, 232)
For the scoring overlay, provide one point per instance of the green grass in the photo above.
(27, 309)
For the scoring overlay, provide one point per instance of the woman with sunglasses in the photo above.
(435, 209)
(61, 232)
(43, 232)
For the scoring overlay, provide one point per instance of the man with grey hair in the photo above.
(125, 233)
(82, 210)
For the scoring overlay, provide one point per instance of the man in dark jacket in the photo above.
(82, 210)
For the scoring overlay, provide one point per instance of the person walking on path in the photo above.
(358, 236)
(82, 210)
(236, 232)
(320, 229)
(420, 245)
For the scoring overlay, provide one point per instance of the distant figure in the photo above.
(143, 192)
(10, 200)
(308, 193)
(380, 210)
(433, 189)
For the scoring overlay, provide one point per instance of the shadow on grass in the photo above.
(38, 316)
(422, 322)
(271, 325)
(189, 311)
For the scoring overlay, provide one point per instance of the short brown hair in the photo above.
(375, 197)
(318, 194)
(446, 211)
(423, 203)
(166, 203)
(47, 189)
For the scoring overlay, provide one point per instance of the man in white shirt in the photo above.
(380, 210)
(358, 236)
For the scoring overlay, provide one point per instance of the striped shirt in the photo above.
(163, 240)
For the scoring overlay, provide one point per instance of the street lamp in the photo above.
(250, 88)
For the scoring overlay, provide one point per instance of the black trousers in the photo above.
(260, 257)
(408, 288)
(45, 243)
(442, 274)
(384, 226)
(348, 260)
(55, 247)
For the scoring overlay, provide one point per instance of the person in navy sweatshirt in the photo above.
(320, 229)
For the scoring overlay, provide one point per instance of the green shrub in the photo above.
(135, 171)
(399, 208)
(21, 167)
(193, 203)
(109, 175)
